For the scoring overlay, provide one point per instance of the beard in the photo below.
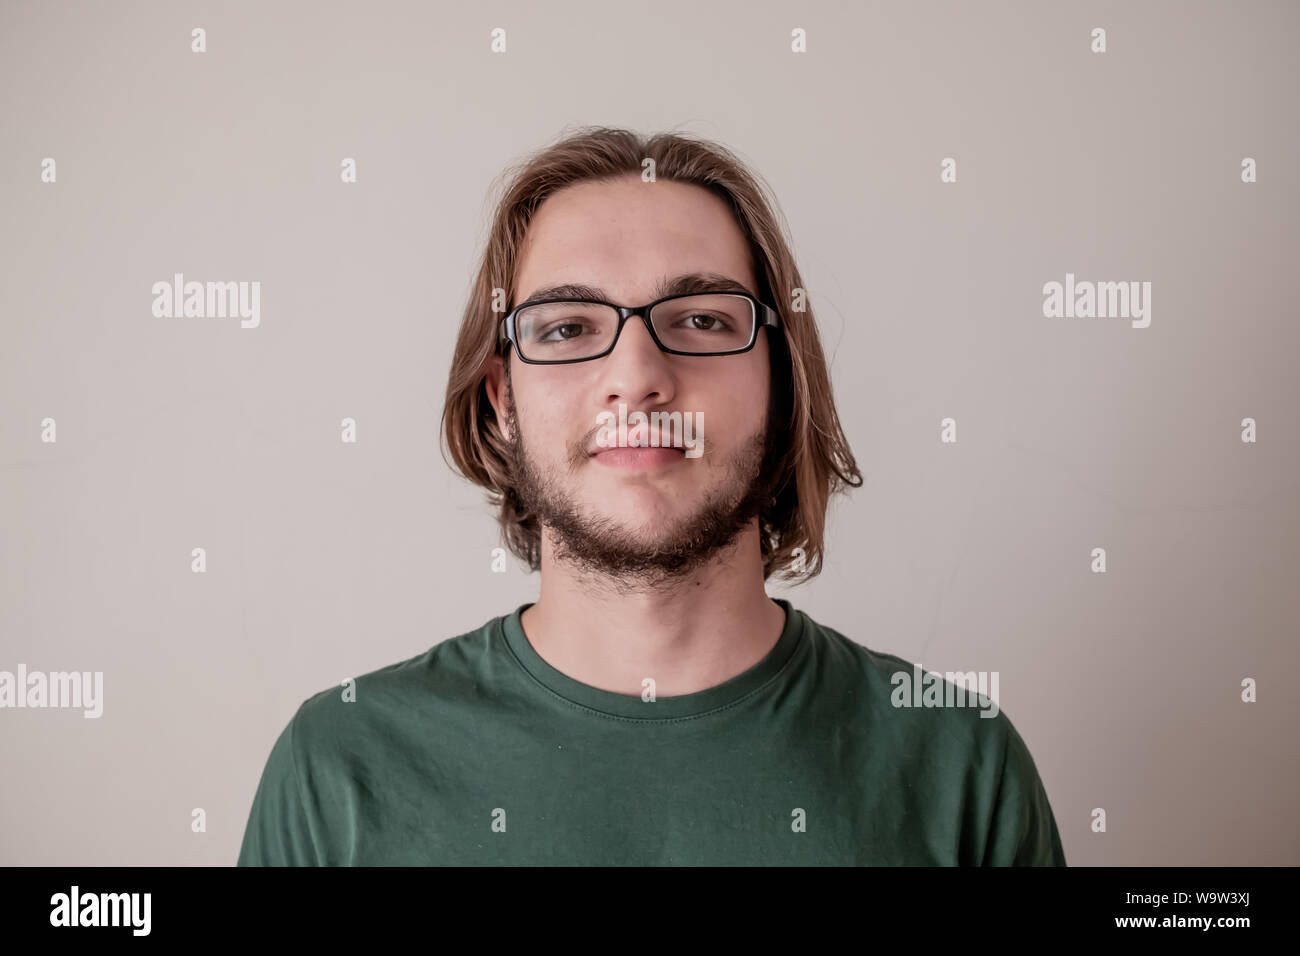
(625, 560)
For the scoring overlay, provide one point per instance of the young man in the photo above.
(653, 706)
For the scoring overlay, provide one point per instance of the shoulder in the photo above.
(451, 672)
(945, 735)
(947, 715)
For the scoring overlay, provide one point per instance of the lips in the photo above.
(631, 458)
(664, 442)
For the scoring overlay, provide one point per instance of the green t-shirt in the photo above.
(478, 752)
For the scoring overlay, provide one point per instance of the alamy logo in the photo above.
(211, 300)
(950, 689)
(102, 909)
(1101, 300)
(657, 430)
(56, 689)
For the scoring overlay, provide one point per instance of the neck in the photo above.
(688, 634)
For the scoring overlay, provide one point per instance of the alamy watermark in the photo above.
(211, 300)
(56, 689)
(1100, 300)
(683, 430)
(919, 688)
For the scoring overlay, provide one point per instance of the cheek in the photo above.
(738, 397)
(550, 419)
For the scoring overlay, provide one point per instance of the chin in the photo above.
(648, 515)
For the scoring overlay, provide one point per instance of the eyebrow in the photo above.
(689, 283)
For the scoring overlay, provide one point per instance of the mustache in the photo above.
(587, 445)
(665, 440)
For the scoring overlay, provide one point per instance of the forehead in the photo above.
(625, 236)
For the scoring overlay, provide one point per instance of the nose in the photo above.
(637, 369)
(637, 329)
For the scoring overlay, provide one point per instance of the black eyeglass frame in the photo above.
(764, 315)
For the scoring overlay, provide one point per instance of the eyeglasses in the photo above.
(559, 331)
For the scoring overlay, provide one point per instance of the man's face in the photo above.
(660, 515)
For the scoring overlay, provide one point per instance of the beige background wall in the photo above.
(326, 560)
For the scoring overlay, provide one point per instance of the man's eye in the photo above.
(563, 325)
(693, 326)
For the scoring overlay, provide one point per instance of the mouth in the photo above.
(638, 459)
(595, 449)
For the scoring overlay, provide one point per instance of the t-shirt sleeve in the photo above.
(279, 830)
(1023, 831)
